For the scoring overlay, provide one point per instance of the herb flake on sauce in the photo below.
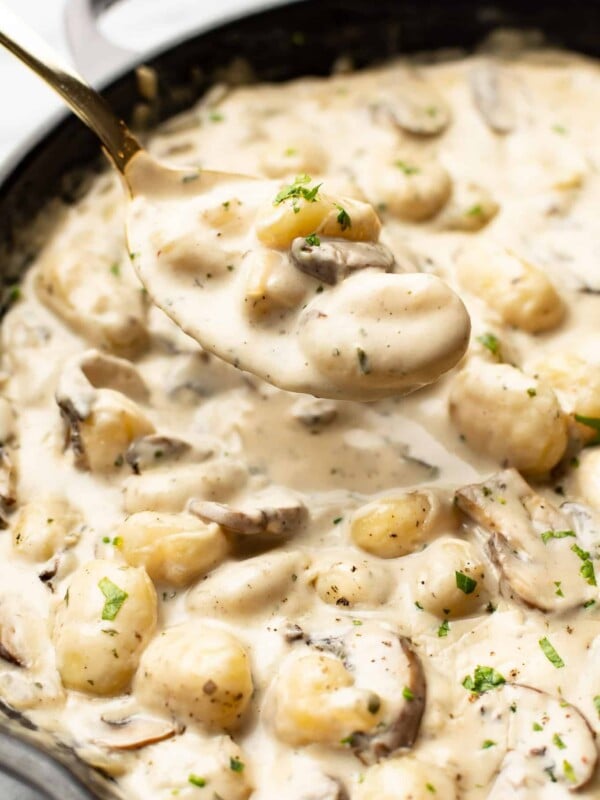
(114, 598)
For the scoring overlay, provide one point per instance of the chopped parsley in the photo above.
(374, 704)
(483, 680)
(216, 116)
(430, 787)
(343, 218)
(558, 591)
(488, 743)
(569, 772)
(14, 293)
(337, 520)
(491, 343)
(236, 765)
(556, 740)
(559, 129)
(465, 583)
(597, 704)
(115, 269)
(313, 240)
(193, 176)
(443, 629)
(474, 211)
(363, 361)
(290, 151)
(407, 169)
(587, 568)
(591, 422)
(537, 727)
(556, 535)
(196, 780)
(531, 392)
(408, 694)
(551, 653)
(298, 190)
(115, 597)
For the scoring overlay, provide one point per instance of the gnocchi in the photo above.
(102, 625)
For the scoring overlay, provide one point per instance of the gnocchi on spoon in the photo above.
(290, 283)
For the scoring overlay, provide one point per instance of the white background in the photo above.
(135, 24)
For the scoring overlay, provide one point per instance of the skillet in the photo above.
(287, 41)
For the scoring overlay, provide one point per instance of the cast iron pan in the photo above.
(302, 37)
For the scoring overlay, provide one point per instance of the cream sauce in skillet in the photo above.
(212, 588)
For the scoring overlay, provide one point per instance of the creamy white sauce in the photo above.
(311, 468)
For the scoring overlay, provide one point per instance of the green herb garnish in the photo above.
(196, 780)
(551, 653)
(408, 694)
(591, 422)
(491, 343)
(407, 169)
(443, 629)
(556, 740)
(556, 535)
(313, 240)
(483, 680)
(115, 597)
(236, 765)
(465, 583)
(569, 772)
(343, 218)
(298, 190)
(488, 743)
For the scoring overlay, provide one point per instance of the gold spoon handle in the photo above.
(91, 108)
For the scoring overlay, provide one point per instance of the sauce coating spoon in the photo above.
(289, 283)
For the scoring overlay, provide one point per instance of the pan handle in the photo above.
(94, 55)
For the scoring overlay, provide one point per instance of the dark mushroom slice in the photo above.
(133, 733)
(493, 91)
(401, 687)
(154, 450)
(332, 260)
(415, 106)
(8, 492)
(401, 665)
(532, 543)
(274, 511)
(548, 740)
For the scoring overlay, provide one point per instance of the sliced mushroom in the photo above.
(8, 493)
(532, 543)
(331, 260)
(364, 690)
(133, 733)
(493, 92)
(274, 511)
(112, 386)
(409, 679)
(150, 451)
(314, 412)
(549, 740)
(415, 106)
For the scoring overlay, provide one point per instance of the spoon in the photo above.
(289, 283)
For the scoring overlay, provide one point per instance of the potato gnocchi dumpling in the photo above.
(102, 625)
(405, 778)
(316, 701)
(511, 417)
(197, 672)
(396, 526)
(516, 290)
(114, 422)
(280, 222)
(350, 583)
(449, 581)
(90, 294)
(173, 548)
(577, 386)
(45, 526)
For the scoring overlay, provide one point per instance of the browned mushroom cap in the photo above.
(153, 450)
(274, 511)
(548, 740)
(415, 106)
(331, 260)
(403, 728)
(533, 544)
(493, 92)
(133, 733)
(8, 493)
